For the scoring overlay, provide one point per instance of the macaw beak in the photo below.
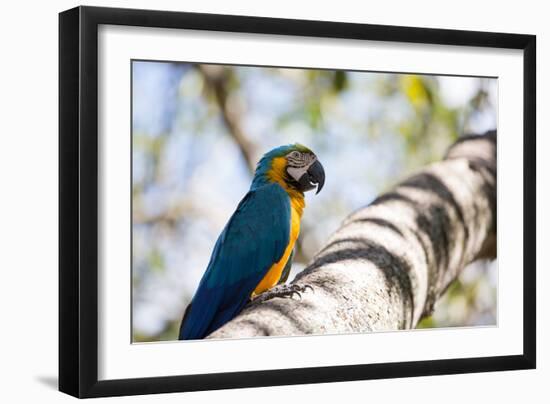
(314, 176)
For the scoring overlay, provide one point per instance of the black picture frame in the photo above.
(78, 200)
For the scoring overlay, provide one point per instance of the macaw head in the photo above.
(294, 167)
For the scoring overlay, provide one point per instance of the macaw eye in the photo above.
(295, 154)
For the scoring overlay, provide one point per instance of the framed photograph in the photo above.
(251, 201)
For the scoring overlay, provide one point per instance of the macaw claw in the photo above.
(283, 291)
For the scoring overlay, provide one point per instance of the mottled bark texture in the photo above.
(389, 262)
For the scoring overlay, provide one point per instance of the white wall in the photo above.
(28, 170)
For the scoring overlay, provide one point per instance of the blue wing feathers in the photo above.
(254, 238)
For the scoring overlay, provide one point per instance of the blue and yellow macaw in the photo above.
(254, 251)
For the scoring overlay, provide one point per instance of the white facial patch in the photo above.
(297, 172)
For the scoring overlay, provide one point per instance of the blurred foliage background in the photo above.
(198, 131)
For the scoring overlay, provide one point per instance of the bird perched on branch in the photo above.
(254, 251)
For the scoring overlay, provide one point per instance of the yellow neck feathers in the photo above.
(277, 174)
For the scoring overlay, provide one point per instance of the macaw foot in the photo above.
(283, 291)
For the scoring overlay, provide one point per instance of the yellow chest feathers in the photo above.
(274, 274)
(277, 174)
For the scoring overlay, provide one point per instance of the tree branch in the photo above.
(389, 262)
(217, 80)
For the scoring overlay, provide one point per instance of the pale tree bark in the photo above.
(389, 262)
